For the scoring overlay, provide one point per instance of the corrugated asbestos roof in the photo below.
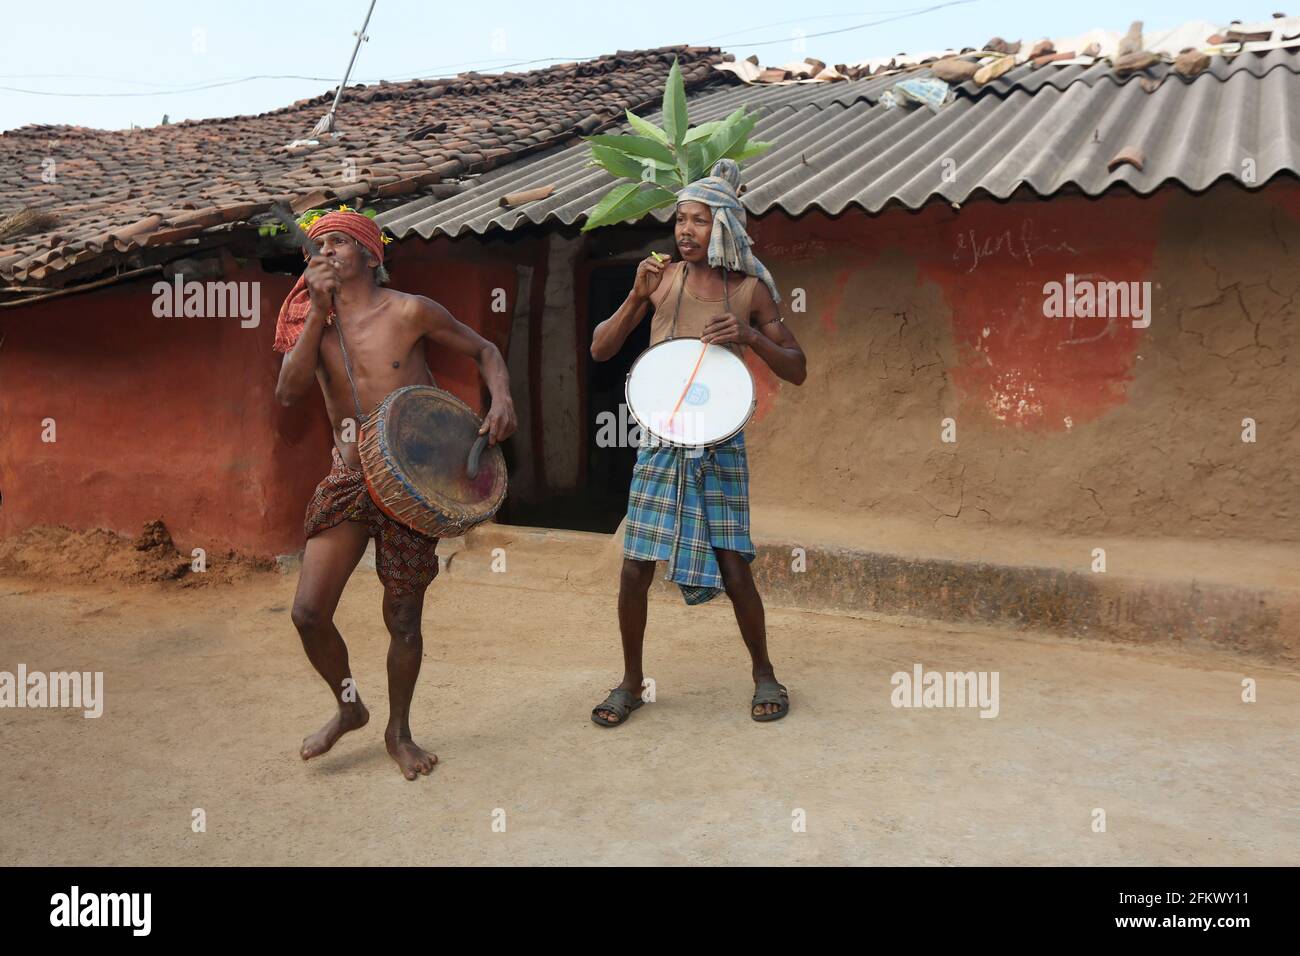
(579, 187)
(838, 148)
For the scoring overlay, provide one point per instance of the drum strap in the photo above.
(347, 367)
(684, 471)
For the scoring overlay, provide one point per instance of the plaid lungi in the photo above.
(681, 507)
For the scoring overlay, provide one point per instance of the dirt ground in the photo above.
(208, 696)
(97, 554)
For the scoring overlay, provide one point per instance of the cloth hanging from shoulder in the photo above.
(293, 311)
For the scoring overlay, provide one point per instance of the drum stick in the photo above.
(689, 382)
(471, 463)
(296, 232)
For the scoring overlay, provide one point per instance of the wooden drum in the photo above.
(414, 452)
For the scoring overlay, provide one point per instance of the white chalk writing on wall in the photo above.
(1020, 245)
(803, 249)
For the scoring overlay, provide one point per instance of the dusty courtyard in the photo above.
(208, 695)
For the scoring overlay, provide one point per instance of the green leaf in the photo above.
(733, 132)
(730, 122)
(647, 128)
(675, 120)
(695, 161)
(637, 146)
(701, 131)
(721, 131)
(656, 163)
(616, 162)
(639, 168)
(683, 168)
(653, 171)
(627, 201)
(612, 198)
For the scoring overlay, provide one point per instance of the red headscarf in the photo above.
(293, 313)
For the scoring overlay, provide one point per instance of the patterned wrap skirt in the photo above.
(405, 560)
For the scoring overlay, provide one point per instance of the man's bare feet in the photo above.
(349, 717)
(411, 759)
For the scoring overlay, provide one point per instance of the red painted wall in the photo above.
(462, 277)
(176, 418)
(156, 417)
(991, 262)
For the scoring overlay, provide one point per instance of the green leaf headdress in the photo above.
(658, 162)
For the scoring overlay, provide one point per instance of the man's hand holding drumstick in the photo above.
(298, 371)
(768, 337)
(322, 277)
(722, 330)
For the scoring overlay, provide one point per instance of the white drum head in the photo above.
(717, 404)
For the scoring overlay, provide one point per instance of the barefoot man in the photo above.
(702, 527)
(339, 301)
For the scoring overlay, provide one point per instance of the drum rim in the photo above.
(627, 399)
(380, 422)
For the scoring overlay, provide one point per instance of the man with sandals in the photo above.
(687, 507)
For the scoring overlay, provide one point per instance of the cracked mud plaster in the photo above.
(1068, 429)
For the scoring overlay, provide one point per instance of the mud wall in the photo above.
(1062, 425)
(1066, 425)
(558, 366)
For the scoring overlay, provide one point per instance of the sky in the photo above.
(114, 65)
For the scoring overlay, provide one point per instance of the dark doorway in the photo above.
(600, 500)
(609, 465)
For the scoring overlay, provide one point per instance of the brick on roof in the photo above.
(118, 192)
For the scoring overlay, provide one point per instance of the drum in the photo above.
(414, 452)
(689, 394)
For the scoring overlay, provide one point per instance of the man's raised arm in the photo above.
(608, 337)
(299, 366)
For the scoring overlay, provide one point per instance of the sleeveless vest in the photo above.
(695, 313)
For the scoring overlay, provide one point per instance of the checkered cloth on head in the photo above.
(680, 508)
(729, 244)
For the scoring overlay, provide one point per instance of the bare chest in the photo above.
(368, 362)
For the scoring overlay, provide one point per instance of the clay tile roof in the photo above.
(115, 192)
